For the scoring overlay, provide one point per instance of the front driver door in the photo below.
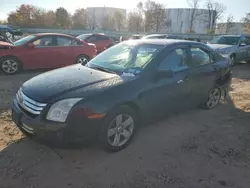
(170, 94)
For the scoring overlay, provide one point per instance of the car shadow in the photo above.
(26, 163)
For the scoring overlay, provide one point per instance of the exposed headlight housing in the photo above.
(224, 50)
(59, 111)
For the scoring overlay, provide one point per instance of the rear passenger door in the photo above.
(204, 73)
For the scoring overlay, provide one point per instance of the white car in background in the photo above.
(235, 47)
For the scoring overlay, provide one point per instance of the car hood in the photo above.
(69, 82)
(220, 46)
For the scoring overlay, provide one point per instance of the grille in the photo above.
(28, 104)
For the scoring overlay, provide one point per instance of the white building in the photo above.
(98, 15)
(178, 21)
(230, 28)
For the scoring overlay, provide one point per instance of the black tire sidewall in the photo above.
(13, 59)
(104, 129)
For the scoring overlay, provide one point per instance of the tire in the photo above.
(112, 134)
(10, 65)
(213, 98)
(232, 58)
(83, 59)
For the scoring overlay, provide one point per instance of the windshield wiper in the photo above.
(103, 69)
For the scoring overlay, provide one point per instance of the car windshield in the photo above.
(83, 36)
(24, 40)
(125, 58)
(229, 40)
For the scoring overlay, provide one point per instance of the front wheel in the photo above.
(118, 129)
(213, 98)
(10, 65)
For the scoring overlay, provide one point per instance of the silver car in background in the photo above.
(235, 47)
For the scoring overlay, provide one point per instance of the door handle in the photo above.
(180, 81)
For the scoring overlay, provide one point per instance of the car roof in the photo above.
(230, 35)
(163, 42)
(155, 35)
(53, 34)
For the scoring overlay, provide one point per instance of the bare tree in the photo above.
(154, 14)
(194, 4)
(246, 21)
(135, 21)
(91, 20)
(215, 12)
(119, 20)
(229, 23)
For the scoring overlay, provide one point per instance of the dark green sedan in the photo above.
(111, 95)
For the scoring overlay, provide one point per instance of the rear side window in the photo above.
(102, 37)
(175, 61)
(199, 57)
(66, 41)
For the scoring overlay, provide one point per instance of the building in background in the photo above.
(102, 17)
(178, 21)
(230, 28)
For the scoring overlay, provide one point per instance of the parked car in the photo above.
(161, 36)
(101, 41)
(235, 47)
(134, 37)
(113, 92)
(46, 50)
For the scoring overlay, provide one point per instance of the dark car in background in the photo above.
(161, 36)
(45, 50)
(101, 41)
(110, 95)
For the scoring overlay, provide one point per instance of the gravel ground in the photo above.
(199, 148)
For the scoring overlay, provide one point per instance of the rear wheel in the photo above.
(82, 59)
(10, 65)
(118, 129)
(232, 59)
(213, 98)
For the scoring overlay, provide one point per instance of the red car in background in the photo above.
(46, 50)
(101, 41)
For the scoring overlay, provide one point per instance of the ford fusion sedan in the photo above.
(234, 47)
(47, 50)
(111, 95)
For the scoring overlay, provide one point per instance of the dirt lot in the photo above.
(199, 148)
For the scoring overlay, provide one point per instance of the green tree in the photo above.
(80, 19)
(62, 18)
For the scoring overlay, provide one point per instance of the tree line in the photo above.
(149, 16)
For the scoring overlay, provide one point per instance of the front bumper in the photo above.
(73, 130)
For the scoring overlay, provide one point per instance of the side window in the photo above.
(101, 37)
(199, 57)
(92, 38)
(65, 41)
(175, 61)
(247, 40)
(44, 41)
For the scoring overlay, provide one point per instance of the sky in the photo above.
(237, 8)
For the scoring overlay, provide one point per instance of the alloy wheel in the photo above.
(214, 98)
(10, 66)
(82, 60)
(120, 130)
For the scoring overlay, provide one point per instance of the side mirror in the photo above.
(165, 73)
(242, 44)
(31, 45)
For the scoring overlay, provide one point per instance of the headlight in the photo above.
(224, 51)
(60, 110)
